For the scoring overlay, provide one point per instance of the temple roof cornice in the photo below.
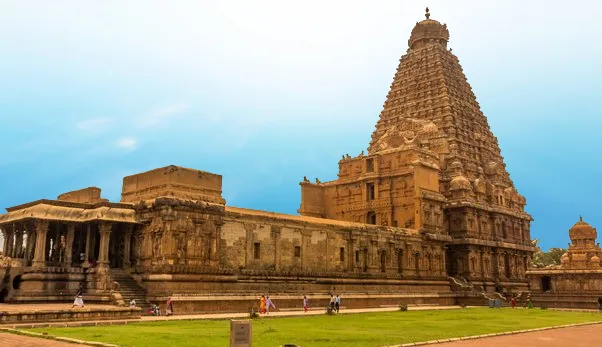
(54, 210)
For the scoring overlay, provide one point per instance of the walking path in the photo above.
(14, 340)
(581, 336)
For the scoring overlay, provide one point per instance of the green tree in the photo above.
(549, 258)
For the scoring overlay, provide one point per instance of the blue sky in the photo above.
(266, 92)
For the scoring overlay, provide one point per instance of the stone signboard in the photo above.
(240, 333)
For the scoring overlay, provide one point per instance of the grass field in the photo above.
(352, 330)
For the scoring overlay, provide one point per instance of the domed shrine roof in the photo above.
(582, 231)
(460, 183)
(428, 30)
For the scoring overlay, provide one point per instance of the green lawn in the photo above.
(352, 330)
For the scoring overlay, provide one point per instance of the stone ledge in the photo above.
(494, 334)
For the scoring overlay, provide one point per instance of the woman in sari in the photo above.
(262, 304)
(79, 298)
(169, 308)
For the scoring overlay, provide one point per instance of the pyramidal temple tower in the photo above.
(434, 167)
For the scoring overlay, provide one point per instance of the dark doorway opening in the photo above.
(17, 282)
(371, 218)
(3, 294)
(546, 284)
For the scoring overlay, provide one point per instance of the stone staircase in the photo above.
(130, 289)
(465, 285)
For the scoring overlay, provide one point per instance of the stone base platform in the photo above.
(195, 304)
(584, 301)
(33, 313)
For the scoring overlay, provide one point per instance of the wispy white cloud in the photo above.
(94, 124)
(161, 114)
(127, 143)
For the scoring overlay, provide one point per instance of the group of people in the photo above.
(265, 303)
(335, 303)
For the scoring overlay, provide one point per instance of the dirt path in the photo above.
(583, 336)
(12, 340)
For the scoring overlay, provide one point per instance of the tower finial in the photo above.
(581, 218)
(428, 15)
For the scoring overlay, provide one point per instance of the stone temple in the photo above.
(430, 202)
(577, 281)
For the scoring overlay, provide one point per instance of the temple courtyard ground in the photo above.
(372, 329)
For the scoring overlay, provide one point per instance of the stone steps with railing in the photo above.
(129, 289)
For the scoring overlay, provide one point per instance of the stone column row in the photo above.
(14, 236)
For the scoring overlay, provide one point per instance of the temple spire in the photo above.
(581, 218)
(427, 15)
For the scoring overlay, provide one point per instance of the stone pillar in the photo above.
(103, 252)
(5, 245)
(39, 258)
(138, 244)
(127, 243)
(18, 252)
(10, 241)
(87, 250)
(29, 248)
(69, 244)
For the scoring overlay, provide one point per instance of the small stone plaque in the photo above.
(240, 333)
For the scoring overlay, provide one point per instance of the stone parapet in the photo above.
(58, 315)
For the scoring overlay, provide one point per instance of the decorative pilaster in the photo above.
(69, 244)
(39, 258)
(275, 234)
(103, 253)
(127, 243)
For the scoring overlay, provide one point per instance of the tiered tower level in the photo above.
(434, 165)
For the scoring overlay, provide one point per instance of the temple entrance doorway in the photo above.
(117, 247)
(546, 284)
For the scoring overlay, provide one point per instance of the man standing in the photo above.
(337, 303)
(305, 303)
(268, 303)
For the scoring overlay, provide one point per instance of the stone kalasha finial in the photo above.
(428, 15)
(581, 218)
